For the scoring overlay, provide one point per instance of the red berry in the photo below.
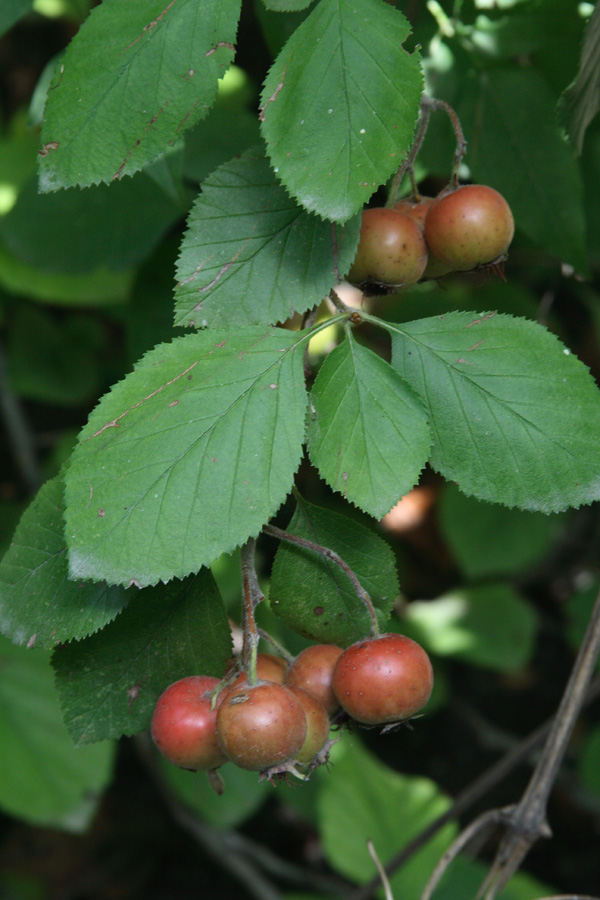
(383, 679)
(391, 249)
(183, 724)
(312, 670)
(417, 210)
(468, 227)
(317, 725)
(260, 726)
(268, 668)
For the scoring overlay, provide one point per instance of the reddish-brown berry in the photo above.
(312, 670)
(184, 725)
(391, 249)
(260, 726)
(468, 227)
(383, 679)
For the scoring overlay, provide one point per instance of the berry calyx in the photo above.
(184, 725)
(260, 726)
(468, 227)
(383, 679)
(312, 670)
(391, 249)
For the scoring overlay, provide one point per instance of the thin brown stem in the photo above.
(409, 161)
(384, 879)
(333, 557)
(528, 821)
(279, 648)
(461, 144)
(482, 825)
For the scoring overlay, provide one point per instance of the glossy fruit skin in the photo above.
(184, 726)
(260, 726)
(468, 227)
(268, 668)
(317, 725)
(383, 679)
(312, 670)
(417, 210)
(391, 249)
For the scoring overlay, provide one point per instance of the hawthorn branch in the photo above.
(527, 822)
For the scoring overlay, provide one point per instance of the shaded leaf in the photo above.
(98, 288)
(314, 596)
(367, 431)
(363, 799)
(54, 232)
(54, 361)
(45, 779)
(340, 103)
(37, 602)
(134, 77)
(11, 11)
(243, 796)
(490, 626)
(514, 416)
(251, 254)
(287, 5)
(488, 539)
(188, 456)
(581, 100)
(109, 683)
(516, 146)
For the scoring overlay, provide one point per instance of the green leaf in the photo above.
(135, 76)
(251, 255)
(45, 779)
(515, 145)
(37, 603)
(367, 434)
(313, 595)
(338, 115)
(490, 626)
(363, 799)
(188, 456)
(78, 231)
(487, 539)
(109, 683)
(514, 416)
(582, 97)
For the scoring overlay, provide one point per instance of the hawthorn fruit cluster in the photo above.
(283, 721)
(461, 229)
